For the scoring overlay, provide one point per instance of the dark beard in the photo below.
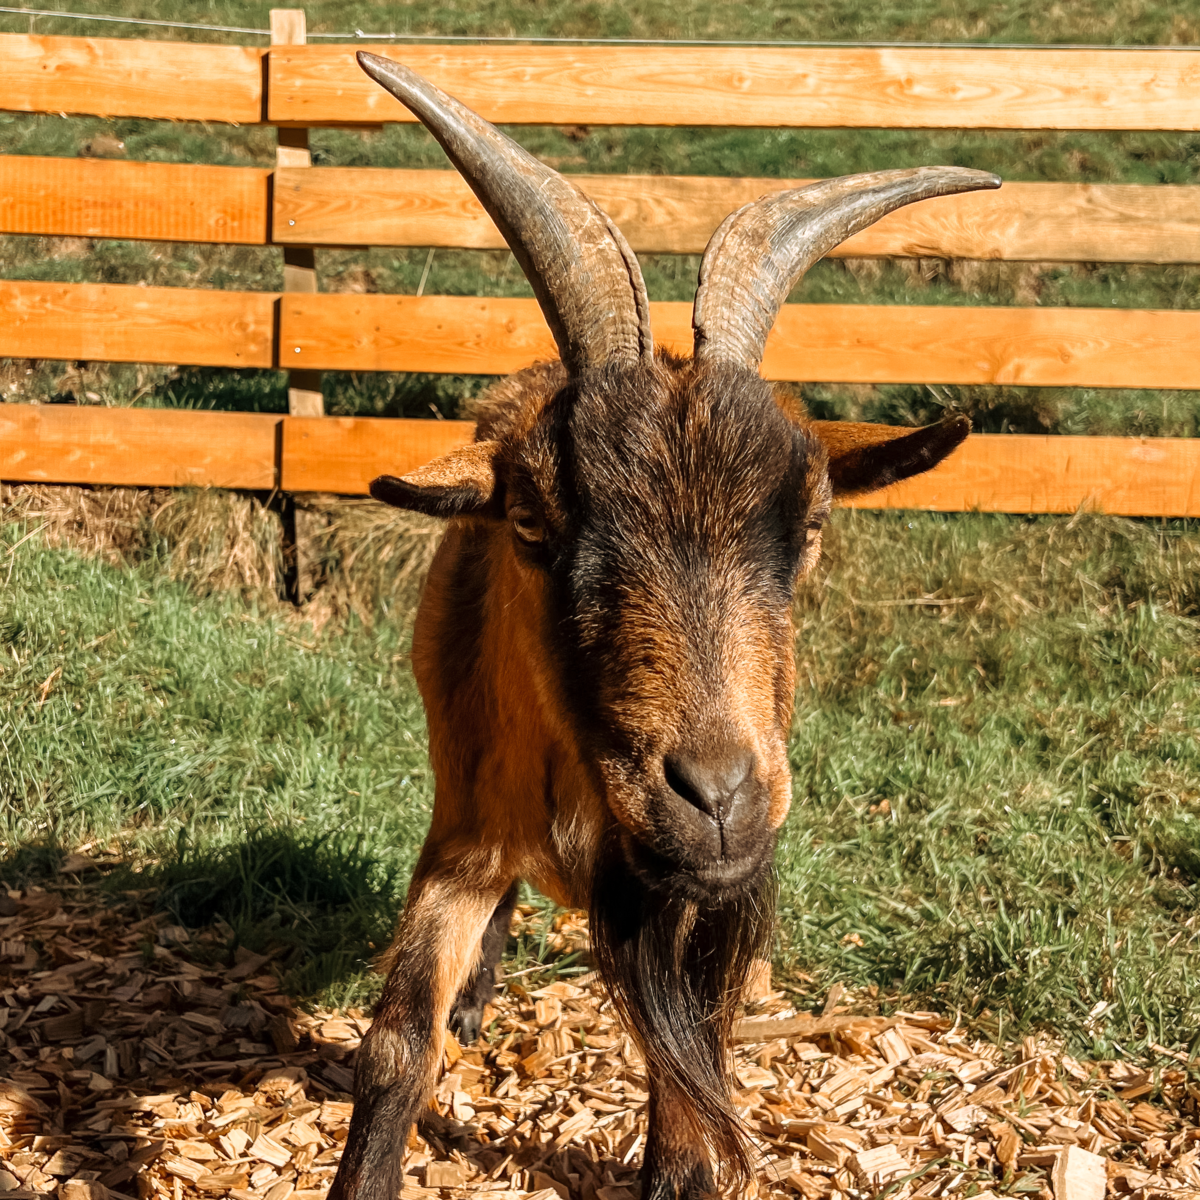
(675, 969)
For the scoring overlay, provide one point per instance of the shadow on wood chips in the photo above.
(143, 1059)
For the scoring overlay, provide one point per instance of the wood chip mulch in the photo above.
(130, 1066)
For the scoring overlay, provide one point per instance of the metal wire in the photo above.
(515, 39)
(360, 35)
(50, 12)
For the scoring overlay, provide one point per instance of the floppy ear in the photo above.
(865, 458)
(459, 484)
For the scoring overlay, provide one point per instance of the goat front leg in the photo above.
(676, 1166)
(435, 951)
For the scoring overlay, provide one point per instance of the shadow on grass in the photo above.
(321, 904)
(324, 908)
(34, 864)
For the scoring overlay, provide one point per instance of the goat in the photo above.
(604, 644)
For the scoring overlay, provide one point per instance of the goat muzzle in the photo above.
(707, 832)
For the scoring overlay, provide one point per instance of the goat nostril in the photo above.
(677, 774)
(709, 786)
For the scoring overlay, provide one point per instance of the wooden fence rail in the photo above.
(895, 87)
(298, 207)
(341, 455)
(678, 214)
(890, 87)
(815, 343)
(349, 206)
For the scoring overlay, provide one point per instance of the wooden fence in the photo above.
(302, 208)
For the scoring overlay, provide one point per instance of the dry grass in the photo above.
(219, 541)
(357, 555)
(111, 523)
(366, 557)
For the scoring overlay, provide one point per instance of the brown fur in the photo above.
(604, 649)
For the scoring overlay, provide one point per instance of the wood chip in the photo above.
(963, 1120)
(1008, 1143)
(893, 1047)
(445, 1174)
(270, 1151)
(880, 1166)
(1079, 1175)
(159, 1088)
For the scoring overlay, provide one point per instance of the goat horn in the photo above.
(583, 273)
(761, 252)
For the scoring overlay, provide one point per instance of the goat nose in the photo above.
(711, 783)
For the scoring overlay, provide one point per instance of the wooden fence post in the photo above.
(288, 28)
(299, 262)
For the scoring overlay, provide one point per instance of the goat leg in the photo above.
(676, 1166)
(466, 1017)
(435, 950)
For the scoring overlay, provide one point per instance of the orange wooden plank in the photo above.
(407, 333)
(897, 87)
(1048, 347)
(129, 77)
(673, 214)
(137, 447)
(134, 324)
(343, 454)
(815, 343)
(1044, 347)
(166, 448)
(1062, 222)
(990, 473)
(1016, 473)
(89, 197)
(372, 206)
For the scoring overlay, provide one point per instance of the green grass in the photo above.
(997, 797)
(1118, 157)
(320, 904)
(916, 20)
(162, 709)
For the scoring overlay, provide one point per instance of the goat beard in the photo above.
(676, 968)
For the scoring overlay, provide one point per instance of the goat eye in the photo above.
(527, 525)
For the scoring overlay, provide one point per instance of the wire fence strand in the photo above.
(51, 12)
(361, 35)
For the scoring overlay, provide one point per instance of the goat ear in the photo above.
(459, 484)
(864, 458)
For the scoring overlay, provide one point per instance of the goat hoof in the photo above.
(466, 1017)
(466, 1022)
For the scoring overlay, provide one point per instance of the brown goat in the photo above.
(605, 647)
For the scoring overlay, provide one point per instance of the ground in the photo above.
(143, 1059)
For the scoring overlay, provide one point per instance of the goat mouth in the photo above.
(709, 883)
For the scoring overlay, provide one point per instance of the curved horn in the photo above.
(584, 275)
(761, 251)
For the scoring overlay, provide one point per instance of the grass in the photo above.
(995, 747)
(320, 903)
(1117, 157)
(825, 20)
(997, 790)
